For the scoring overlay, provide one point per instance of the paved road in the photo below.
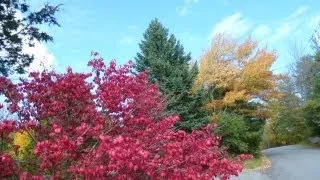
(288, 163)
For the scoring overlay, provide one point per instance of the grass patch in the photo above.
(261, 162)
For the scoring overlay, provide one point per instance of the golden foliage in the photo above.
(215, 67)
(256, 75)
(241, 69)
(245, 51)
(215, 104)
(232, 96)
(21, 139)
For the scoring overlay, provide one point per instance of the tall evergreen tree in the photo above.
(169, 66)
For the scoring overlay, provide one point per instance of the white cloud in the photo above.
(187, 4)
(282, 31)
(290, 25)
(127, 40)
(235, 25)
(42, 57)
(301, 10)
(261, 31)
(238, 25)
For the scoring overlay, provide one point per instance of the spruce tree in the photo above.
(169, 66)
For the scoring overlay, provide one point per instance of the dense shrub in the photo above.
(287, 127)
(312, 115)
(312, 107)
(240, 134)
(110, 128)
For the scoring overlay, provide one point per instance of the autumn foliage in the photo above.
(239, 83)
(239, 69)
(105, 125)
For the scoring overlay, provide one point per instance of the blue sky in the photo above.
(115, 28)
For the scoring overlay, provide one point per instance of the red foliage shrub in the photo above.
(108, 127)
(7, 166)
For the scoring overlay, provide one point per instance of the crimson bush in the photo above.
(105, 125)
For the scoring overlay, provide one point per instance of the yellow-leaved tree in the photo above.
(24, 152)
(23, 140)
(239, 70)
(238, 80)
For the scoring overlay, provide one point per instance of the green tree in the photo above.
(312, 106)
(304, 75)
(286, 124)
(169, 66)
(16, 31)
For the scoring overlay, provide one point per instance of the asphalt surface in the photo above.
(287, 163)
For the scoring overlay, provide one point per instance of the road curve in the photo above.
(288, 163)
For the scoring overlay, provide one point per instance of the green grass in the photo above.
(261, 162)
